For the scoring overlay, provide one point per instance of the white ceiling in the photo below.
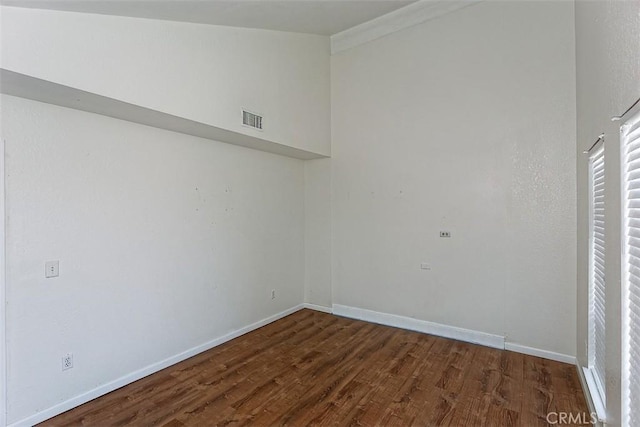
(325, 17)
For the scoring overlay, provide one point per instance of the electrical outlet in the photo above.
(273, 294)
(445, 234)
(51, 269)
(67, 361)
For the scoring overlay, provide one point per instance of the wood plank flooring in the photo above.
(313, 368)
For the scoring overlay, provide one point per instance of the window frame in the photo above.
(632, 118)
(596, 385)
(592, 356)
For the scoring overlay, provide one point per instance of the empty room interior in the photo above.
(320, 212)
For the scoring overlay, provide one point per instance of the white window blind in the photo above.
(596, 343)
(631, 265)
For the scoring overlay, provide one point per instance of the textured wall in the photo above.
(317, 192)
(608, 82)
(465, 124)
(165, 242)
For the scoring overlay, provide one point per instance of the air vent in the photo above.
(251, 120)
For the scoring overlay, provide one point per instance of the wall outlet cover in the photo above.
(51, 269)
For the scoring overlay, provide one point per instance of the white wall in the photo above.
(201, 72)
(317, 216)
(465, 124)
(608, 66)
(165, 242)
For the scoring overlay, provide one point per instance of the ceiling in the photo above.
(325, 17)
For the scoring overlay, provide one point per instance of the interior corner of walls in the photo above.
(317, 307)
(317, 244)
(101, 390)
(230, 241)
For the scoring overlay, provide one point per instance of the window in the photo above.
(631, 270)
(596, 343)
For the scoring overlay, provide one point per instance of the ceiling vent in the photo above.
(251, 119)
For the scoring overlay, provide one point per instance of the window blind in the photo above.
(596, 345)
(631, 264)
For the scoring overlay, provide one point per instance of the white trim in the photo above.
(629, 117)
(594, 399)
(148, 370)
(453, 332)
(597, 275)
(316, 307)
(545, 354)
(468, 335)
(408, 16)
(585, 391)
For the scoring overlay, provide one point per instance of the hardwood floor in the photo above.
(313, 368)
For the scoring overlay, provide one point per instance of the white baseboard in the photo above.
(316, 307)
(545, 354)
(453, 332)
(468, 335)
(146, 371)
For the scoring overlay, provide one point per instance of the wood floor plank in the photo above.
(313, 368)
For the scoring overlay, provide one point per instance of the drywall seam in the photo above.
(141, 373)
